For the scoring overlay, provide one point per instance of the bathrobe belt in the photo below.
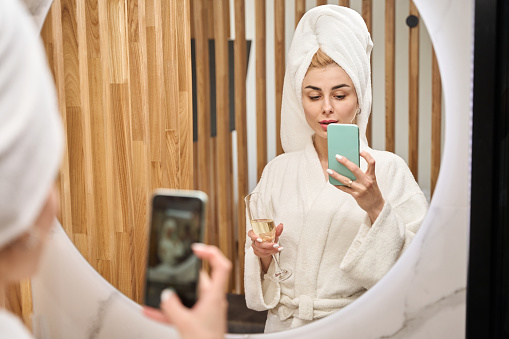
(306, 308)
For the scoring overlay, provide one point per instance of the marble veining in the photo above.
(98, 320)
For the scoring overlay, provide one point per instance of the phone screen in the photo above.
(176, 223)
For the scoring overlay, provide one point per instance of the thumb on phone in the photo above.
(172, 308)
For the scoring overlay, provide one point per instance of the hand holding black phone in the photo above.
(177, 220)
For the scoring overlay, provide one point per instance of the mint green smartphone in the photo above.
(342, 139)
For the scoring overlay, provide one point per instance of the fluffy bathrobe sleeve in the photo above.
(378, 246)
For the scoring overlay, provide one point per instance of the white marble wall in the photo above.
(423, 296)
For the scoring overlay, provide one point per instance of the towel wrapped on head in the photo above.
(31, 137)
(341, 33)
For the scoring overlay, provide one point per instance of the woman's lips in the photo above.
(326, 123)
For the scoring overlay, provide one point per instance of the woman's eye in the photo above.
(339, 97)
(314, 98)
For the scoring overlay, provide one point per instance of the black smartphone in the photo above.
(177, 220)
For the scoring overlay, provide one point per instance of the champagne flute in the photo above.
(263, 225)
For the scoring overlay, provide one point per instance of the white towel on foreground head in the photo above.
(340, 33)
(30, 129)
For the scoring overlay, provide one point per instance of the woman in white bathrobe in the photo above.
(338, 240)
(31, 145)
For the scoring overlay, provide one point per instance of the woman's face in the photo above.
(328, 96)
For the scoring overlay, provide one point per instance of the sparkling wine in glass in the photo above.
(263, 225)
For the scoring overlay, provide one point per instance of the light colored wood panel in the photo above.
(413, 96)
(117, 41)
(300, 9)
(261, 88)
(185, 95)
(279, 48)
(321, 2)
(240, 126)
(345, 3)
(390, 75)
(436, 122)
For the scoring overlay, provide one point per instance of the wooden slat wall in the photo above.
(123, 76)
(367, 14)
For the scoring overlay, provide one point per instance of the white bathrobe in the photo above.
(334, 251)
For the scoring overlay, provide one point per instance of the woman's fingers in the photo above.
(154, 314)
(341, 178)
(253, 236)
(371, 163)
(220, 265)
(350, 165)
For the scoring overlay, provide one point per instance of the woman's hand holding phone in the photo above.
(365, 189)
(207, 318)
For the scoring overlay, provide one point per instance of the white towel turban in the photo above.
(31, 138)
(341, 33)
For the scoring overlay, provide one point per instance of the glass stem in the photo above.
(278, 268)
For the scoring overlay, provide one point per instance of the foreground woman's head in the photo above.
(31, 143)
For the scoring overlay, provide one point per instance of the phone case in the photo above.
(342, 139)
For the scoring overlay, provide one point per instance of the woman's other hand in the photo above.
(265, 250)
(207, 318)
(365, 189)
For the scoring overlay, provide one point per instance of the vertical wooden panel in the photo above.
(436, 122)
(279, 48)
(185, 93)
(300, 9)
(367, 14)
(345, 3)
(224, 172)
(321, 2)
(261, 88)
(413, 96)
(390, 75)
(240, 125)
(203, 92)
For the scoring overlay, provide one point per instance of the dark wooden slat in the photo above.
(240, 66)
(261, 87)
(300, 9)
(413, 96)
(203, 94)
(345, 3)
(225, 229)
(390, 75)
(367, 14)
(436, 121)
(279, 48)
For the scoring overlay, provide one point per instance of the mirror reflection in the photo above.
(338, 230)
(124, 137)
